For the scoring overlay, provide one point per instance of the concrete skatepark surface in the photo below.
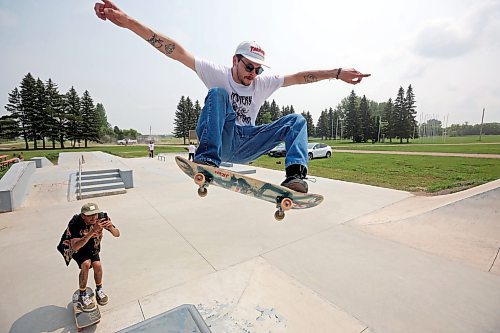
(367, 259)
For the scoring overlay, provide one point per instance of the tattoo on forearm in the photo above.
(158, 43)
(310, 78)
(169, 48)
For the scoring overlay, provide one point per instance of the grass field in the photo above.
(429, 174)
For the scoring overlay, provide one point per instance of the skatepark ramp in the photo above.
(462, 226)
(15, 185)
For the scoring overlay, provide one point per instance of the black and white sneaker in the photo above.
(295, 175)
(101, 297)
(86, 303)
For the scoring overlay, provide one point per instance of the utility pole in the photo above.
(481, 128)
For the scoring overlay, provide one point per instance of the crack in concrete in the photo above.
(494, 260)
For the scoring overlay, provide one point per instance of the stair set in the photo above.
(98, 183)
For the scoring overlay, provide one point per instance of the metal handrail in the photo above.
(81, 160)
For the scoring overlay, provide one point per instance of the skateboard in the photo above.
(82, 318)
(284, 198)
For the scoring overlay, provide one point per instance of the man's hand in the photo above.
(95, 229)
(352, 76)
(106, 223)
(109, 11)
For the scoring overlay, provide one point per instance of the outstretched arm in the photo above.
(349, 75)
(109, 11)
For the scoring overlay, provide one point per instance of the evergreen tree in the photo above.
(105, 131)
(28, 108)
(274, 110)
(366, 121)
(389, 118)
(322, 127)
(330, 120)
(9, 128)
(55, 112)
(42, 113)
(411, 113)
(181, 121)
(400, 123)
(353, 119)
(310, 124)
(72, 110)
(16, 111)
(89, 126)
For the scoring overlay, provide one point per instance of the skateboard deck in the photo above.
(282, 197)
(82, 318)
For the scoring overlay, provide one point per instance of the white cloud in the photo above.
(454, 38)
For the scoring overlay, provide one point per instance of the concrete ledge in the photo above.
(127, 176)
(14, 185)
(41, 162)
(182, 319)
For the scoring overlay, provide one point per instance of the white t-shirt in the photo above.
(192, 149)
(246, 100)
(151, 146)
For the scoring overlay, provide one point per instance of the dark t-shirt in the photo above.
(78, 229)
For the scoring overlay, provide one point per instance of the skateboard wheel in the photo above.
(202, 192)
(279, 215)
(286, 203)
(199, 179)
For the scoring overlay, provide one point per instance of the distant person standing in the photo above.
(191, 150)
(151, 148)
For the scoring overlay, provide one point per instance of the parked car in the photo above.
(126, 142)
(278, 151)
(316, 150)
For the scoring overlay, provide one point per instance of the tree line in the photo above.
(356, 118)
(37, 111)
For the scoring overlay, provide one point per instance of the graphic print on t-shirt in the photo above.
(241, 107)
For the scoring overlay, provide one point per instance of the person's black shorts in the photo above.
(81, 257)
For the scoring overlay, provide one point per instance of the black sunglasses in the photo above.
(249, 68)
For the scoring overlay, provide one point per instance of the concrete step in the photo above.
(93, 172)
(98, 176)
(109, 180)
(102, 193)
(102, 187)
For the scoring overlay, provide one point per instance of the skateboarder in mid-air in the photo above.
(85, 232)
(226, 127)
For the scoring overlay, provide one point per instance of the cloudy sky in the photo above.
(448, 50)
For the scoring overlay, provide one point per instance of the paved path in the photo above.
(339, 267)
(391, 152)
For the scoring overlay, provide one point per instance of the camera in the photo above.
(102, 215)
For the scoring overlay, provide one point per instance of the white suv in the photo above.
(315, 150)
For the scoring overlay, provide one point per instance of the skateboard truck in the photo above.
(283, 204)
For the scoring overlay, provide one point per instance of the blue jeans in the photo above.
(221, 140)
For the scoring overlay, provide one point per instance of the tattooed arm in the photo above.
(349, 75)
(109, 11)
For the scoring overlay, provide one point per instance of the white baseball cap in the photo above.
(252, 51)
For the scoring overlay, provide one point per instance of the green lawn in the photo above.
(430, 174)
